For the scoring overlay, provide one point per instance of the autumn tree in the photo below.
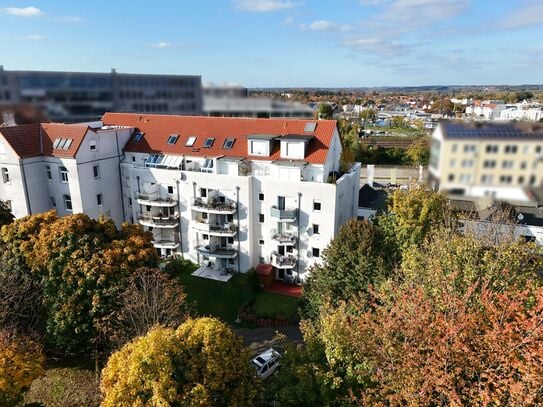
(419, 151)
(21, 361)
(407, 349)
(356, 258)
(413, 213)
(150, 298)
(368, 115)
(6, 217)
(202, 362)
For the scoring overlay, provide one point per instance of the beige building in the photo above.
(504, 161)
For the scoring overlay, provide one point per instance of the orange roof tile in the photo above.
(157, 128)
(31, 140)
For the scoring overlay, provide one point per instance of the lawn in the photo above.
(270, 305)
(214, 298)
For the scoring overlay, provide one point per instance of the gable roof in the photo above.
(157, 128)
(32, 140)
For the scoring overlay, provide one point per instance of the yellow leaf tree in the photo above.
(202, 362)
(21, 361)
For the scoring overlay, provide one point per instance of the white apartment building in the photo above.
(504, 161)
(228, 193)
(70, 168)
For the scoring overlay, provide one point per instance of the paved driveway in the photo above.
(260, 339)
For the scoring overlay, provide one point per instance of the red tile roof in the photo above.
(31, 140)
(157, 128)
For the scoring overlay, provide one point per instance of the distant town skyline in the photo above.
(283, 43)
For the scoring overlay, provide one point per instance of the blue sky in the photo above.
(283, 42)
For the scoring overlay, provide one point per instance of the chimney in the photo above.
(9, 119)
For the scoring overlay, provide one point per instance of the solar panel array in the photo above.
(494, 131)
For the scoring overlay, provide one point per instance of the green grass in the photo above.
(270, 305)
(213, 298)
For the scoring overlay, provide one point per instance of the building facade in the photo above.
(504, 161)
(228, 193)
(84, 96)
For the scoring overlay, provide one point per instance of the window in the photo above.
(316, 252)
(489, 163)
(92, 145)
(316, 205)
(451, 177)
(203, 192)
(486, 179)
(208, 142)
(53, 201)
(130, 202)
(469, 148)
(230, 217)
(316, 229)
(170, 189)
(96, 171)
(523, 165)
(532, 180)
(506, 179)
(190, 141)
(5, 175)
(538, 149)
(454, 148)
(138, 136)
(172, 138)
(68, 202)
(491, 148)
(521, 179)
(453, 163)
(467, 163)
(230, 240)
(62, 143)
(507, 164)
(205, 237)
(510, 149)
(261, 242)
(63, 174)
(133, 159)
(48, 170)
(261, 217)
(99, 199)
(261, 196)
(465, 178)
(228, 143)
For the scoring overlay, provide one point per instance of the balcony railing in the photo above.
(284, 237)
(287, 215)
(214, 205)
(283, 261)
(164, 242)
(227, 252)
(171, 220)
(155, 199)
(215, 229)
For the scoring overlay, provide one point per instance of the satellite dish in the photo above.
(309, 254)
(520, 216)
(309, 231)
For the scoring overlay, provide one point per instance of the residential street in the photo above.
(260, 339)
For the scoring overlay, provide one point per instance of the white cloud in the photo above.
(263, 6)
(22, 11)
(323, 25)
(34, 37)
(161, 44)
(525, 17)
(422, 12)
(70, 19)
(376, 46)
(288, 21)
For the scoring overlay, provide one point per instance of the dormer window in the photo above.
(208, 142)
(310, 127)
(190, 141)
(172, 138)
(228, 143)
(138, 136)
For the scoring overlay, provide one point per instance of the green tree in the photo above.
(325, 111)
(368, 115)
(6, 216)
(202, 362)
(419, 151)
(357, 258)
(412, 214)
(21, 361)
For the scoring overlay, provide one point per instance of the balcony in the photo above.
(212, 229)
(153, 199)
(284, 215)
(214, 205)
(284, 238)
(159, 221)
(165, 243)
(283, 261)
(217, 251)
